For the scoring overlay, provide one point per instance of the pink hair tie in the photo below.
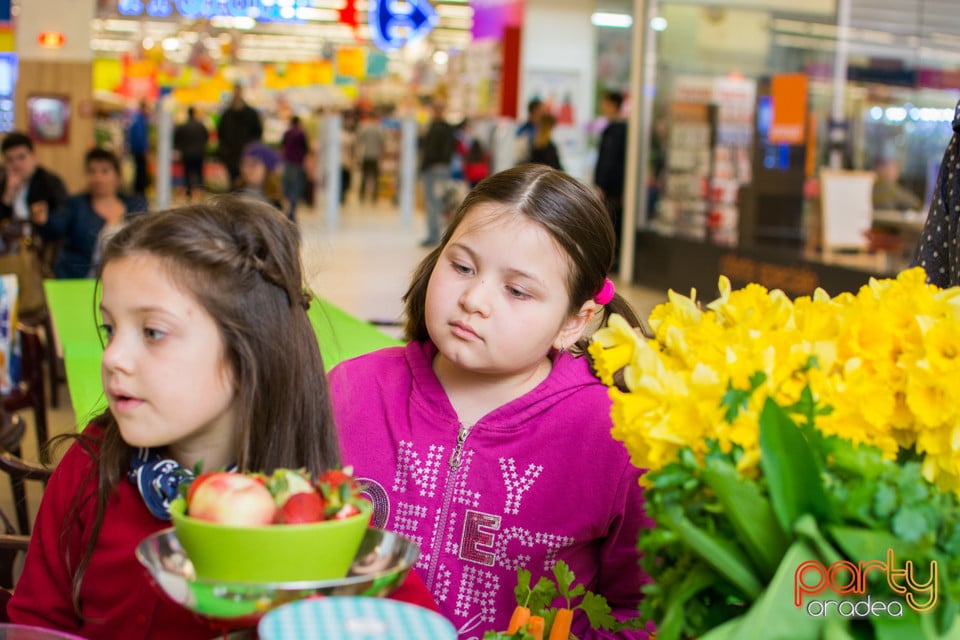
(606, 293)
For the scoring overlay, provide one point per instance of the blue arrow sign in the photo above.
(394, 24)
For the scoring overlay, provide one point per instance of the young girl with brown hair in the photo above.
(210, 362)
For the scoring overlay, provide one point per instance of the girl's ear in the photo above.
(574, 326)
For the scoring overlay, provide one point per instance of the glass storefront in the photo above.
(745, 119)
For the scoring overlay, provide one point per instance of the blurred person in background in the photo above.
(348, 153)
(436, 152)
(544, 151)
(258, 178)
(294, 148)
(190, 141)
(88, 219)
(476, 163)
(527, 130)
(370, 141)
(239, 125)
(138, 143)
(26, 186)
(888, 193)
(608, 174)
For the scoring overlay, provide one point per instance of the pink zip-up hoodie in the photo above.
(537, 480)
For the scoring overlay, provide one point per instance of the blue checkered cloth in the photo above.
(354, 618)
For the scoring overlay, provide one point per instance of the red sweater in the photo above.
(116, 596)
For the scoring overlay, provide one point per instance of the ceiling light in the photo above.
(617, 20)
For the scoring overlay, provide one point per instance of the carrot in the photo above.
(560, 630)
(518, 619)
(535, 627)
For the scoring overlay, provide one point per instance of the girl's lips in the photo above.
(463, 331)
(124, 404)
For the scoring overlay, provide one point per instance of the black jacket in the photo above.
(611, 158)
(547, 155)
(937, 251)
(45, 186)
(237, 127)
(438, 145)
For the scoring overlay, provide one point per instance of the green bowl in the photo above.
(270, 553)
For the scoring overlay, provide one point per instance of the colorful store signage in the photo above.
(788, 94)
(51, 39)
(392, 24)
(491, 17)
(260, 9)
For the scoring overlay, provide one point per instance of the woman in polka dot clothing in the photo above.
(938, 251)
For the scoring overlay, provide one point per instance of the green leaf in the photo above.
(791, 469)
(808, 529)
(774, 616)
(542, 594)
(723, 555)
(598, 611)
(522, 590)
(837, 630)
(565, 578)
(860, 544)
(910, 625)
(521, 634)
(736, 400)
(749, 513)
(910, 524)
(884, 501)
(671, 626)
(727, 631)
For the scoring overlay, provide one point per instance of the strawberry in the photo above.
(334, 478)
(301, 508)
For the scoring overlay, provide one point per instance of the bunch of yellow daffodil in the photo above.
(886, 360)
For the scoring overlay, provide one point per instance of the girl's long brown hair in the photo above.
(570, 212)
(240, 260)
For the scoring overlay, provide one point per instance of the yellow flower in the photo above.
(612, 347)
(929, 398)
(886, 359)
(941, 345)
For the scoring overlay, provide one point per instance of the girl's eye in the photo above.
(462, 268)
(106, 330)
(153, 334)
(518, 294)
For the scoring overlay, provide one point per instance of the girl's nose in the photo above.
(475, 298)
(116, 356)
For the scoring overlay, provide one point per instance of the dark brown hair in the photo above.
(99, 154)
(16, 139)
(566, 208)
(240, 260)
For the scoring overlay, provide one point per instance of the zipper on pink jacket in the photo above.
(454, 464)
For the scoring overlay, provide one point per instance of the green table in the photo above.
(71, 303)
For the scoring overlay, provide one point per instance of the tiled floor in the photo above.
(363, 266)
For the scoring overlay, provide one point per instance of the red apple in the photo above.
(230, 498)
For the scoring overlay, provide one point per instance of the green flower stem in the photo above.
(774, 616)
(693, 583)
(750, 514)
(726, 558)
(791, 468)
(807, 529)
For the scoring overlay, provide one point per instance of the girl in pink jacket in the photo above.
(485, 440)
